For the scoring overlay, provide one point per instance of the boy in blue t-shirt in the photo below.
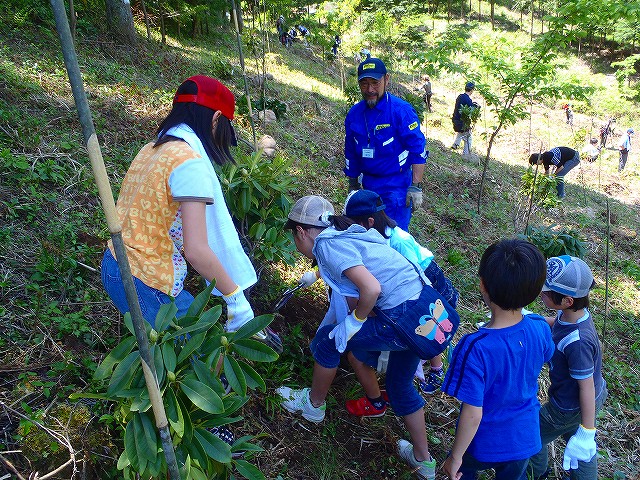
(494, 371)
(577, 389)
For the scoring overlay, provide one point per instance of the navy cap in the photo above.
(372, 68)
(362, 202)
(470, 86)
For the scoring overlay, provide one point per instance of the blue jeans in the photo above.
(567, 167)
(511, 470)
(378, 334)
(441, 284)
(150, 299)
(556, 423)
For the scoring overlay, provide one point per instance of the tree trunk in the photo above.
(448, 11)
(239, 17)
(72, 20)
(532, 11)
(163, 32)
(120, 21)
(493, 18)
(146, 19)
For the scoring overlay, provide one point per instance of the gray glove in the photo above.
(383, 361)
(414, 197)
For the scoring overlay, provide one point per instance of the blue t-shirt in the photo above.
(391, 130)
(577, 356)
(497, 369)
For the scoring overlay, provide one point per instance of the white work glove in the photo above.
(414, 197)
(239, 311)
(581, 446)
(308, 278)
(383, 361)
(345, 330)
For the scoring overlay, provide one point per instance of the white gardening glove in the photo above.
(239, 311)
(414, 197)
(581, 446)
(383, 361)
(308, 278)
(345, 330)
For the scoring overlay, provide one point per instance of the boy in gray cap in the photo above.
(577, 389)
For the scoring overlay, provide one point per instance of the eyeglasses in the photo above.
(369, 83)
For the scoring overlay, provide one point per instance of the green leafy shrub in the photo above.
(188, 353)
(352, 91)
(469, 115)
(544, 191)
(416, 102)
(278, 107)
(553, 241)
(257, 193)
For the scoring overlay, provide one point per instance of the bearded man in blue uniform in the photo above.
(384, 145)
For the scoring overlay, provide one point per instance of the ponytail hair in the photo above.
(380, 222)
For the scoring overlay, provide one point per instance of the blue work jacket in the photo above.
(392, 130)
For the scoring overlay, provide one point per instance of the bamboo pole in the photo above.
(108, 205)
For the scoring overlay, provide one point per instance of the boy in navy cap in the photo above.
(384, 144)
(577, 389)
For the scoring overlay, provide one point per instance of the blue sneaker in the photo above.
(433, 381)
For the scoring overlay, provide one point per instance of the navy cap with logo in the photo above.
(470, 86)
(372, 68)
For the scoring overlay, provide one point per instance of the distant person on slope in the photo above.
(462, 129)
(384, 144)
(426, 86)
(336, 45)
(591, 151)
(625, 147)
(569, 113)
(606, 130)
(563, 159)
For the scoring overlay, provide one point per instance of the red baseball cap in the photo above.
(211, 94)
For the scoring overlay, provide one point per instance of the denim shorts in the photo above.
(378, 334)
(150, 298)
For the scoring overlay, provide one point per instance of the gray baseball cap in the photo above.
(569, 276)
(308, 210)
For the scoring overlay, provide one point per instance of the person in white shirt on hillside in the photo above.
(625, 146)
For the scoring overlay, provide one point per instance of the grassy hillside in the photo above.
(58, 323)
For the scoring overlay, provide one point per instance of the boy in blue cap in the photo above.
(577, 389)
(384, 144)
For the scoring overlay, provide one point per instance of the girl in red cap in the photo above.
(172, 210)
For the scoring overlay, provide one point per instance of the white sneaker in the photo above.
(426, 470)
(299, 401)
